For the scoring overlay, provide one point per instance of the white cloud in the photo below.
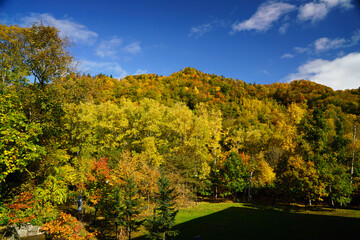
(317, 10)
(109, 48)
(342, 3)
(266, 72)
(140, 71)
(200, 30)
(283, 28)
(265, 15)
(301, 50)
(76, 32)
(355, 38)
(288, 55)
(109, 68)
(211, 25)
(323, 44)
(132, 48)
(313, 11)
(113, 47)
(339, 74)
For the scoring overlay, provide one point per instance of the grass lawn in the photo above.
(248, 221)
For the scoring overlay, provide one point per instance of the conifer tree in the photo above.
(129, 207)
(163, 221)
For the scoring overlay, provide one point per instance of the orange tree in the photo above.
(21, 210)
(66, 227)
(97, 186)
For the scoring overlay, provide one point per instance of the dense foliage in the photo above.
(65, 134)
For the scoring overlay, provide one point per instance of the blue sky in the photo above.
(255, 41)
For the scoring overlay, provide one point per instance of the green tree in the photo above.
(129, 207)
(19, 142)
(163, 221)
(340, 143)
(234, 175)
(324, 144)
(338, 185)
(114, 209)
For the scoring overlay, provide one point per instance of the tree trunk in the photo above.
(96, 209)
(129, 230)
(353, 157)
(249, 193)
(121, 234)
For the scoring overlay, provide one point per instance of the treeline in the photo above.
(289, 141)
(66, 134)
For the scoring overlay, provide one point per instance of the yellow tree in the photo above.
(193, 140)
(39, 51)
(127, 165)
(95, 130)
(300, 180)
(12, 67)
(144, 134)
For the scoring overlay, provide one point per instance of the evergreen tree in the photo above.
(114, 207)
(160, 226)
(128, 207)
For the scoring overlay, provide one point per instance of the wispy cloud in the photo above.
(302, 49)
(114, 47)
(287, 55)
(200, 30)
(284, 28)
(264, 17)
(339, 74)
(211, 25)
(140, 71)
(76, 32)
(110, 68)
(317, 10)
(325, 44)
(132, 48)
(109, 48)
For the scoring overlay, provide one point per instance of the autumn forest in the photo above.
(145, 145)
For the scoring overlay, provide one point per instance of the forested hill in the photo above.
(192, 87)
(278, 127)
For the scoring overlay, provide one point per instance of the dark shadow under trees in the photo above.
(263, 223)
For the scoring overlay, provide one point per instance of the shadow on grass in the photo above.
(289, 208)
(262, 223)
